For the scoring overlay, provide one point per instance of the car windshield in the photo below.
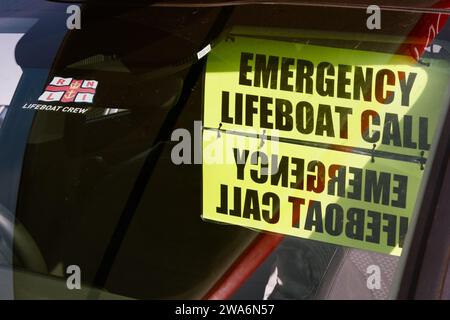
(87, 123)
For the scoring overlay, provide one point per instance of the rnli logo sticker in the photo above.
(69, 90)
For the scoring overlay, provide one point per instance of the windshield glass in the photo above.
(87, 122)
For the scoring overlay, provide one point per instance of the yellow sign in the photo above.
(317, 142)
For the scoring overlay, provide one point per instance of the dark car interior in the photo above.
(79, 171)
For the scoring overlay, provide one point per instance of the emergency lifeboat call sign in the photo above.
(321, 143)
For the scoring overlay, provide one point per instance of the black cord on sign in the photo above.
(152, 158)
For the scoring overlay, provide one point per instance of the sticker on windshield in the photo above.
(317, 142)
(69, 90)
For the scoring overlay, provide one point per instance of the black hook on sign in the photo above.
(218, 130)
(372, 153)
(422, 160)
(229, 38)
(421, 61)
(263, 137)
